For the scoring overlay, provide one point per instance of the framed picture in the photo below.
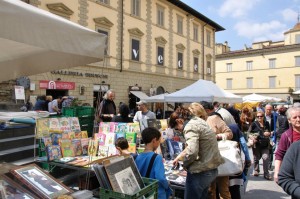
(40, 182)
(124, 176)
(11, 189)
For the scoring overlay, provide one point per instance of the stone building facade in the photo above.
(153, 45)
(267, 68)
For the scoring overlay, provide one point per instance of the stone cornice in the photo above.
(103, 21)
(196, 52)
(180, 46)
(60, 9)
(209, 56)
(136, 32)
(161, 40)
(273, 50)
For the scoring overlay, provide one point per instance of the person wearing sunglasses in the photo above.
(259, 133)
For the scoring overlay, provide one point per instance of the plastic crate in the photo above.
(149, 191)
(86, 120)
(89, 128)
(69, 111)
(85, 111)
(78, 111)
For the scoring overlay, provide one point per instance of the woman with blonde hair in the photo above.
(201, 155)
(198, 110)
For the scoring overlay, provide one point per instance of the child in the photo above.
(151, 137)
(122, 146)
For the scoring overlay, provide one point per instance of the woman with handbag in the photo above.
(201, 155)
(259, 134)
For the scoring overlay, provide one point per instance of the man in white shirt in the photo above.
(143, 114)
(53, 106)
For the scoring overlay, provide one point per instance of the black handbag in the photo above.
(263, 141)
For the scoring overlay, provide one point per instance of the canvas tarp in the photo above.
(34, 41)
(157, 98)
(202, 90)
(260, 98)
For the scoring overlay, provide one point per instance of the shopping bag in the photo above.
(230, 152)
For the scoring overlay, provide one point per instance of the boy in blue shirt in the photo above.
(151, 164)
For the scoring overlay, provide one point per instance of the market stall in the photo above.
(202, 90)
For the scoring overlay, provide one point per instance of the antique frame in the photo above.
(11, 189)
(124, 176)
(40, 182)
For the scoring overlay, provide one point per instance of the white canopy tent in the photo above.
(202, 90)
(296, 92)
(34, 41)
(260, 98)
(157, 98)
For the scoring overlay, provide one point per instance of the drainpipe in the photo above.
(122, 32)
(203, 51)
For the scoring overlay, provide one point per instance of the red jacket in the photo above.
(284, 143)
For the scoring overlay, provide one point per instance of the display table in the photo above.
(76, 177)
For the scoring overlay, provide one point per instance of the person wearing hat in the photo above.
(143, 114)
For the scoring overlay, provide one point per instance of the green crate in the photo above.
(149, 191)
(89, 128)
(78, 111)
(86, 120)
(85, 111)
(69, 111)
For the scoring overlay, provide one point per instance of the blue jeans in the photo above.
(197, 184)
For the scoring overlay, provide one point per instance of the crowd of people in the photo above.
(47, 103)
(266, 129)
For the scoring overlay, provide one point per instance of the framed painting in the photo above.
(124, 176)
(44, 185)
(11, 189)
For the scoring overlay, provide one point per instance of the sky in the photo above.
(248, 21)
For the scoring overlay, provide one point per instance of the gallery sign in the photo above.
(80, 74)
(59, 85)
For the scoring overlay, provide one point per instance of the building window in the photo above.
(297, 39)
(195, 32)
(208, 69)
(297, 61)
(179, 25)
(103, 1)
(135, 7)
(160, 56)
(196, 64)
(135, 50)
(229, 67)
(160, 16)
(272, 82)
(106, 33)
(272, 63)
(297, 82)
(249, 65)
(228, 83)
(180, 60)
(250, 82)
(208, 38)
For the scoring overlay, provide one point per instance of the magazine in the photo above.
(53, 152)
(85, 145)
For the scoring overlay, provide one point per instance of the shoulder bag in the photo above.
(230, 152)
